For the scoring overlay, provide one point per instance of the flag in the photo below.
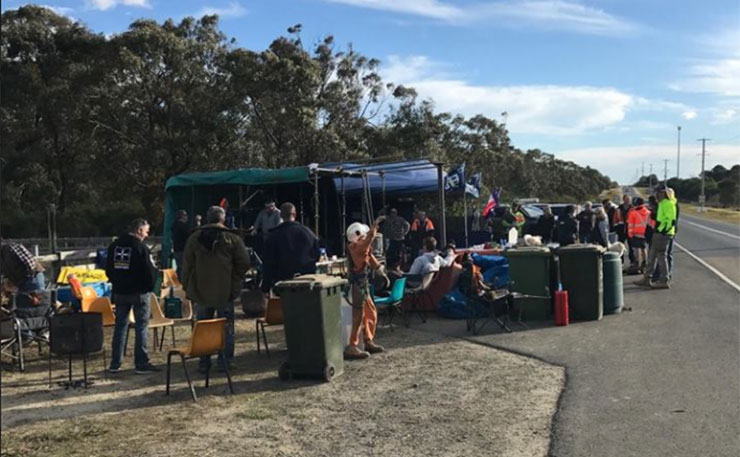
(472, 187)
(492, 201)
(454, 178)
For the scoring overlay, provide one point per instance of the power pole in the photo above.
(678, 156)
(702, 197)
(665, 171)
(643, 170)
(650, 178)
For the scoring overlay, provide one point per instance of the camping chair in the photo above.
(25, 322)
(392, 302)
(156, 321)
(169, 278)
(208, 338)
(273, 316)
(416, 294)
(187, 305)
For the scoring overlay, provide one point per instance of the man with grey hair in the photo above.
(132, 272)
(214, 266)
(291, 249)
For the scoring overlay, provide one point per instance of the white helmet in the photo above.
(356, 230)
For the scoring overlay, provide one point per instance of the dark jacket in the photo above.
(180, 234)
(567, 230)
(600, 233)
(214, 264)
(291, 249)
(130, 267)
(545, 227)
(585, 221)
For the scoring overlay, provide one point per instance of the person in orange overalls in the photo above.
(638, 219)
(364, 313)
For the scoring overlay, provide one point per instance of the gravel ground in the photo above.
(426, 395)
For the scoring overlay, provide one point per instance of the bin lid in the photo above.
(317, 281)
(611, 255)
(576, 249)
(529, 251)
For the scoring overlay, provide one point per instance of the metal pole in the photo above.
(650, 178)
(465, 206)
(382, 184)
(678, 155)
(344, 220)
(665, 171)
(441, 197)
(316, 204)
(702, 197)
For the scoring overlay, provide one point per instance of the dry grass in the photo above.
(714, 214)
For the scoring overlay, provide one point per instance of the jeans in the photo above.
(37, 282)
(669, 256)
(658, 253)
(227, 311)
(124, 304)
(584, 237)
(178, 260)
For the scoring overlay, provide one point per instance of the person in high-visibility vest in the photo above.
(638, 220)
(515, 218)
(664, 232)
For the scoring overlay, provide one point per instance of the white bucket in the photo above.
(346, 321)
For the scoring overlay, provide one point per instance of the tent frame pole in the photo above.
(342, 231)
(465, 206)
(316, 204)
(441, 197)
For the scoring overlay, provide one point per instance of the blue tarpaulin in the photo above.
(401, 178)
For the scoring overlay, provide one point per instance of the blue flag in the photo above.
(472, 187)
(454, 178)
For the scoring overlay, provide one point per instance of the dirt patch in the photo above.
(427, 395)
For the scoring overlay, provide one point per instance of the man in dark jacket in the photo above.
(131, 270)
(586, 222)
(546, 224)
(291, 249)
(567, 228)
(214, 266)
(180, 234)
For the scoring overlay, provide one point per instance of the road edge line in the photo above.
(718, 273)
(684, 221)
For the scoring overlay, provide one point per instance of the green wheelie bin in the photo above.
(582, 275)
(529, 271)
(613, 284)
(312, 320)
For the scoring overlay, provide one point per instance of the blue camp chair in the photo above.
(391, 303)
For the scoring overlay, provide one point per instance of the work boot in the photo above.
(644, 282)
(354, 353)
(660, 285)
(373, 348)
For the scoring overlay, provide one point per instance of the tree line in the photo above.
(95, 125)
(721, 186)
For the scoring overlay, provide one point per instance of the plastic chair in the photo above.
(88, 295)
(187, 305)
(208, 338)
(169, 278)
(273, 316)
(392, 302)
(157, 320)
(103, 306)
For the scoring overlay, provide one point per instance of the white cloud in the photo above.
(233, 10)
(725, 116)
(566, 15)
(541, 109)
(104, 5)
(621, 162)
(688, 115)
(718, 77)
(60, 10)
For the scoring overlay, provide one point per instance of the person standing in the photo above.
(180, 234)
(610, 209)
(657, 255)
(620, 224)
(567, 227)
(215, 263)
(267, 219)
(514, 218)
(396, 229)
(638, 221)
(600, 233)
(421, 228)
(132, 273)
(586, 222)
(546, 224)
(291, 249)
(364, 313)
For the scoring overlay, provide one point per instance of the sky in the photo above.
(605, 83)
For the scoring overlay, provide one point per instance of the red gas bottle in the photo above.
(561, 307)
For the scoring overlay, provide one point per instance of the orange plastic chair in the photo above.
(88, 295)
(208, 338)
(273, 316)
(157, 320)
(103, 306)
(169, 278)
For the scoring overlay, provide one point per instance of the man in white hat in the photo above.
(364, 314)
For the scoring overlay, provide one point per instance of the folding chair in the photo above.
(392, 302)
(208, 338)
(494, 304)
(273, 316)
(25, 322)
(416, 295)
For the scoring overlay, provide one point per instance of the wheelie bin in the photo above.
(529, 271)
(582, 275)
(312, 320)
(613, 284)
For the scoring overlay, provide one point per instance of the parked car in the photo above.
(557, 208)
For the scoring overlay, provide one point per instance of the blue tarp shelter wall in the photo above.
(200, 190)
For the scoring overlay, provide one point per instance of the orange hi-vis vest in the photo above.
(428, 225)
(637, 222)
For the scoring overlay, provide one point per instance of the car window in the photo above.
(532, 211)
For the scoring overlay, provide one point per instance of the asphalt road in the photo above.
(716, 243)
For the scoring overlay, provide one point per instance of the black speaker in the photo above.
(76, 333)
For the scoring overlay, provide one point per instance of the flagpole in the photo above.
(465, 205)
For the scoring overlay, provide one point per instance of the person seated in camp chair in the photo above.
(364, 313)
(429, 261)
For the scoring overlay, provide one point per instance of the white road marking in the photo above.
(709, 267)
(684, 221)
